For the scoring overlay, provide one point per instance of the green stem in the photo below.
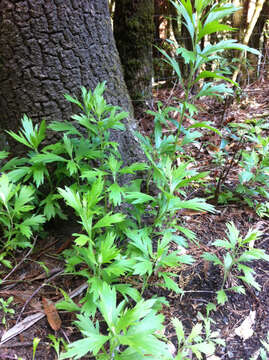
(183, 111)
(224, 279)
(145, 284)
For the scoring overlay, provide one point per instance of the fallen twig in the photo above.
(32, 319)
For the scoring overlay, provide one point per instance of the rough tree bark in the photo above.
(134, 34)
(49, 48)
(257, 10)
(254, 40)
(259, 40)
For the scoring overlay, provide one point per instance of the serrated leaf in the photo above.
(126, 289)
(140, 336)
(47, 158)
(133, 168)
(194, 204)
(109, 220)
(38, 171)
(196, 330)
(207, 348)
(228, 261)
(65, 126)
(132, 315)
(212, 27)
(72, 167)
(118, 267)
(171, 284)
(115, 193)
(107, 304)
(221, 297)
(71, 198)
(189, 56)
(25, 196)
(239, 289)
(34, 220)
(73, 100)
(17, 174)
(245, 176)
(142, 266)
(179, 330)
(79, 348)
(137, 197)
(223, 243)
(82, 239)
(67, 305)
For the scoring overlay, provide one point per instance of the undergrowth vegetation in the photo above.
(128, 227)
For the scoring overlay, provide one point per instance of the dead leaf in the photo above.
(32, 319)
(245, 330)
(52, 314)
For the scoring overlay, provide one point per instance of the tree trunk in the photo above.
(258, 40)
(248, 32)
(49, 48)
(134, 34)
(254, 40)
(240, 19)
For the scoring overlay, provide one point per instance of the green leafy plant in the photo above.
(251, 156)
(36, 168)
(129, 333)
(17, 221)
(254, 176)
(96, 248)
(30, 136)
(170, 180)
(35, 344)
(84, 145)
(200, 22)
(5, 308)
(237, 251)
(149, 263)
(201, 340)
(56, 343)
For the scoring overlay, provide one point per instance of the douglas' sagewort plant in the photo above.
(253, 176)
(17, 221)
(250, 156)
(85, 170)
(201, 22)
(74, 159)
(96, 205)
(237, 251)
(129, 333)
(201, 340)
(6, 309)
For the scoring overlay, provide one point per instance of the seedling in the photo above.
(56, 343)
(5, 308)
(130, 332)
(201, 339)
(237, 251)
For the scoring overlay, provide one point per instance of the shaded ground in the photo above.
(199, 281)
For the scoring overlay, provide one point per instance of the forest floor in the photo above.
(29, 282)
